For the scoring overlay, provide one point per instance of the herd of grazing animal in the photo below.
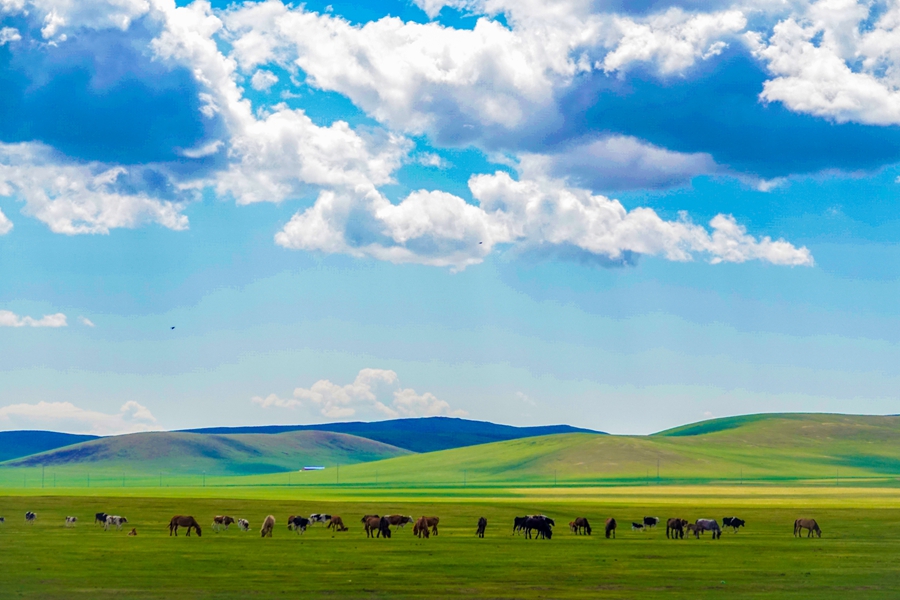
(531, 526)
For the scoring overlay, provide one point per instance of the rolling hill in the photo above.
(426, 434)
(758, 447)
(14, 444)
(192, 453)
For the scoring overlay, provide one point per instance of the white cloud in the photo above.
(279, 152)
(617, 162)
(430, 159)
(74, 198)
(372, 390)
(203, 150)
(11, 319)
(9, 34)
(85, 321)
(673, 41)
(263, 80)
(436, 228)
(5, 224)
(65, 416)
(833, 60)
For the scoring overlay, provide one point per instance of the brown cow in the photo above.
(221, 521)
(398, 520)
(676, 526)
(267, 527)
(611, 527)
(133, 531)
(810, 524)
(433, 523)
(336, 523)
(184, 521)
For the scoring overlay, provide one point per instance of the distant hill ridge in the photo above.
(14, 444)
(427, 434)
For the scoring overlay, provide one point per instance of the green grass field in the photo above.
(857, 554)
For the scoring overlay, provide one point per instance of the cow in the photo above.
(30, 517)
(582, 526)
(133, 532)
(398, 520)
(114, 520)
(482, 525)
(221, 521)
(336, 523)
(267, 526)
(185, 521)
(651, 521)
(707, 525)
(676, 526)
(611, 527)
(2, 520)
(70, 521)
(543, 526)
(637, 526)
(244, 524)
(733, 522)
(298, 524)
(319, 518)
(100, 518)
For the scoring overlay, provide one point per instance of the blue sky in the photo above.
(618, 217)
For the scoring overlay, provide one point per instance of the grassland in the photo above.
(856, 556)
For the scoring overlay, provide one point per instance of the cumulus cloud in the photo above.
(76, 198)
(5, 224)
(372, 390)
(9, 34)
(263, 80)
(11, 319)
(617, 162)
(837, 59)
(65, 416)
(436, 228)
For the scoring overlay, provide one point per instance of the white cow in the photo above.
(70, 521)
(244, 524)
(115, 520)
(30, 517)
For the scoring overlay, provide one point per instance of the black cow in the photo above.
(30, 517)
(482, 525)
(2, 520)
(651, 521)
(543, 526)
(319, 518)
(100, 518)
(298, 524)
(637, 526)
(733, 522)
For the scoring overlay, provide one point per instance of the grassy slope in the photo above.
(188, 453)
(779, 446)
(15, 444)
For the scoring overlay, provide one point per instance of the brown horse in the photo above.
(420, 528)
(676, 526)
(372, 524)
(184, 521)
(582, 526)
(267, 527)
(336, 523)
(611, 528)
(809, 524)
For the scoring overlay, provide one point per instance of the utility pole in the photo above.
(554, 477)
(464, 478)
(657, 471)
(337, 477)
(204, 478)
(742, 476)
(42, 476)
(376, 477)
(89, 480)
